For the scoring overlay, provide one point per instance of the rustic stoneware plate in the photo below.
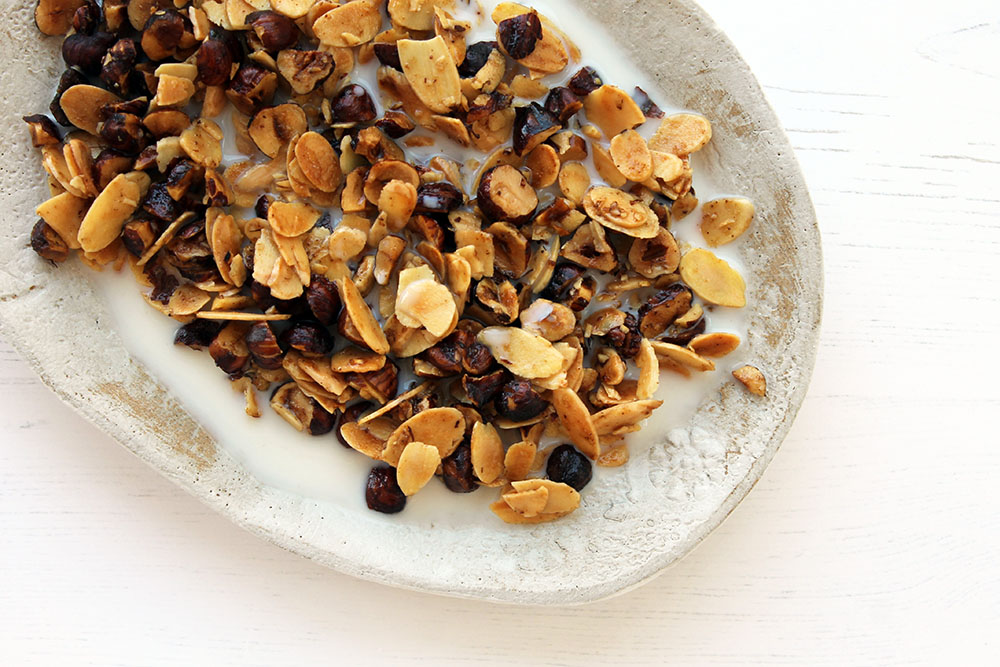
(658, 507)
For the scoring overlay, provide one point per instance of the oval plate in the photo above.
(667, 499)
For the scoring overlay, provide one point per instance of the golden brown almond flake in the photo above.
(751, 378)
(544, 164)
(64, 213)
(106, 216)
(562, 497)
(611, 419)
(715, 345)
(524, 354)
(362, 317)
(487, 452)
(350, 24)
(431, 73)
(575, 420)
(649, 370)
(416, 466)
(82, 105)
(519, 459)
(713, 279)
(443, 428)
(368, 438)
(683, 356)
(682, 134)
(612, 110)
(574, 181)
(203, 143)
(271, 129)
(614, 456)
(725, 220)
(605, 166)
(631, 156)
(621, 211)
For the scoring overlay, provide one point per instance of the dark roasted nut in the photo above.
(580, 294)
(585, 82)
(198, 334)
(380, 386)
(372, 144)
(518, 402)
(86, 18)
(162, 34)
(301, 411)
(138, 235)
(388, 55)
(482, 390)
(346, 328)
(352, 414)
(323, 299)
(182, 177)
(217, 191)
(166, 122)
(477, 359)
(475, 57)
(533, 124)
(569, 466)
(457, 472)
(678, 334)
(118, 65)
(648, 106)
(146, 159)
(229, 349)
(413, 406)
(109, 164)
(382, 492)
(159, 203)
(563, 103)
(124, 133)
(87, 51)
(500, 299)
(447, 354)
(309, 337)
(164, 283)
(505, 194)
(395, 124)
(626, 338)
(115, 14)
(47, 243)
(563, 278)
(251, 88)
(485, 106)
(352, 104)
(657, 314)
(71, 77)
(439, 198)
(263, 205)
(137, 106)
(518, 35)
(510, 250)
(263, 345)
(43, 131)
(304, 69)
(275, 31)
(55, 17)
(214, 61)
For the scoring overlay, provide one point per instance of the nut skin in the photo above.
(215, 62)
(230, 355)
(660, 311)
(476, 56)
(263, 205)
(323, 299)
(495, 208)
(482, 390)
(581, 293)
(86, 18)
(138, 235)
(87, 51)
(648, 106)
(495, 101)
(71, 77)
(518, 402)
(460, 352)
(353, 104)
(519, 34)
(380, 385)
(438, 198)
(43, 131)
(309, 337)
(388, 55)
(322, 422)
(585, 82)
(124, 133)
(263, 345)
(569, 466)
(275, 31)
(109, 164)
(47, 243)
(457, 472)
(382, 492)
(626, 338)
(428, 229)
(118, 66)
(198, 334)
(533, 124)
(182, 177)
(162, 34)
(159, 203)
(563, 277)
(352, 414)
(395, 124)
(563, 103)
(310, 414)
(252, 88)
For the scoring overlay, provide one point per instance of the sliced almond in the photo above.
(574, 181)
(107, 215)
(351, 24)
(444, 428)
(528, 503)
(504, 511)
(524, 354)
(487, 452)
(612, 110)
(649, 370)
(715, 345)
(416, 14)
(273, 127)
(82, 105)
(613, 457)
(64, 213)
(368, 438)
(561, 497)
(429, 303)
(622, 212)
(713, 279)
(575, 420)
(682, 355)
(431, 73)
(416, 466)
(725, 220)
(203, 143)
(361, 316)
(291, 220)
(751, 378)
(605, 166)
(612, 419)
(519, 459)
(631, 156)
(682, 134)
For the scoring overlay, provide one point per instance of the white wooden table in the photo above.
(872, 538)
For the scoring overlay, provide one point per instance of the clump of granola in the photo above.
(327, 266)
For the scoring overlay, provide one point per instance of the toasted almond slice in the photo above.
(751, 378)
(356, 360)
(574, 181)
(609, 420)
(524, 354)
(416, 466)
(682, 355)
(613, 457)
(318, 161)
(519, 459)
(487, 452)
(713, 279)
(715, 345)
(682, 134)
(544, 164)
(273, 127)
(725, 220)
(64, 213)
(107, 215)
(605, 166)
(225, 240)
(612, 110)
(649, 370)
(443, 428)
(349, 25)
(242, 317)
(622, 212)
(429, 303)
(431, 73)
(416, 14)
(203, 143)
(362, 317)
(82, 105)
(368, 438)
(631, 156)
(562, 497)
(293, 9)
(503, 510)
(394, 403)
(528, 503)
(291, 220)
(575, 420)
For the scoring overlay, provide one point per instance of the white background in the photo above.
(871, 539)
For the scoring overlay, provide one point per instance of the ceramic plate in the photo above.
(658, 507)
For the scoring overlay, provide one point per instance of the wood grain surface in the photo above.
(871, 539)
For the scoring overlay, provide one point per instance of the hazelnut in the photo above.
(648, 106)
(229, 349)
(533, 124)
(198, 334)
(138, 235)
(323, 299)
(563, 103)
(428, 229)
(387, 54)
(585, 82)
(352, 413)
(447, 355)
(500, 299)
(457, 472)
(476, 56)
(482, 390)
(626, 338)
(486, 105)
(86, 18)
(47, 243)
(110, 163)
(263, 345)
(518, 401)
(439, 198)
(519, 35)
(309, 337)
(251, 88)
(159, 203)
(43, 131)
(275, 31)
(182, 176)
(87, 51)
(55, 17)
(304, 69)
(301, 411)
(124, 133)
(505, 194)
(353, 104)
(510, 250)
(71, 77)
(166, 122)
(215, 62)
(380, 385)
(395, 124)
(580, 293)
(382, 492)
(162, 34)
(372, 144)
(657, 314)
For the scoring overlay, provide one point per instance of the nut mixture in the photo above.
(328, 268)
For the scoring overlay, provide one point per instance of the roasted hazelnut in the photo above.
(182, 177)
(164, 283)
(395, 124)
(518, 35)
(482, 390)
(657, 314)
(681, 334)
(439, 198)
(251, 88)
(569, 466)
(518, 402)
(412, 406)
(71, 77)
(263, 205)
(166, 122)
(563, 103)
(198, 334)
(47, 243)
(580, 294)
(486, 105)
(499, 299)
(304, 69)
(505, 194)
(585, 82)
(626, 337)
(159, 203)
(428, 229)
(275, 31)
(387, 54)
(352, 104)
(86, 18)
(162, 34)
(382, 492)
(43, 131)
(346, 328)
(215, 62)
(263, 345)
(138, 235)
(301, 411)
(381, 385)
(108, 164)
(563, 277)
(115, 14)
(447, 355)
(124, 133)
(146, 159)
(136, 106)
(323, 299)
(533, 124)
(229, 349)
(352, 413)
(118, 66)
(87, 51)
(476, 56)
(457, 472)
(309, 337)
(477, 359)
(372, 144)
(648, 106)
(510, 250)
